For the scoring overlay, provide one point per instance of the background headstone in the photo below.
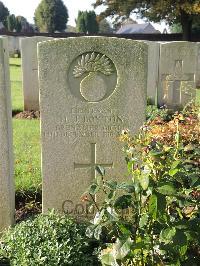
(177, 72)
(7, 199)
(91, 88)
(13, 44)
(153, 69)
(30, 71)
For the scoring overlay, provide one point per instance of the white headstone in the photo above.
(30, 71)
(91, 88)
(7, 198)
(177, 72)
(153, 68)
(13, 44)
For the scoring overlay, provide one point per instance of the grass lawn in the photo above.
(26, 138)
(16, 84)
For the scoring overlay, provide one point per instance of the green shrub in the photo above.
(153, 111)
(153, 218)
(49, 240)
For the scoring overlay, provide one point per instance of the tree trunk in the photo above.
(186, 22)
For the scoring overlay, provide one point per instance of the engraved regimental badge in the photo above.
(93, 77)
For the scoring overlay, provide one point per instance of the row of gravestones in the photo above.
(173, 72)
(91, 88)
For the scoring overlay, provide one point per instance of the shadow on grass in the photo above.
(14, 113)
(14, 65)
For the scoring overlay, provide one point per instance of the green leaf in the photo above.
(156, 153)
(93, 189)
(98, 217)
(108, 259)
(175, 164)
(180, 241)
(153, 206)
(111, 214)
(122, 248)
(110, 195)
(100, 170)
(167, 190)
(127, 187)
(144, 181)
(111, 184)
(90, 231)
(98, 180)
(172, 172)
(194, 178)
(123, 202)
(97, 232)
(143, 220)
(124, 230)
(166, 235)
(161, 208)
(130, 166)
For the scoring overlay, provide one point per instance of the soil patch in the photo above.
(26, 115)
(27, 206)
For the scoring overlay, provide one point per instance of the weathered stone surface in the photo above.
(177, 71)
(7, 201)
(13, 44)
(153, 69)
(90, 89)
(30, 71)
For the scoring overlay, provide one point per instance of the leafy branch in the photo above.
(93, 63)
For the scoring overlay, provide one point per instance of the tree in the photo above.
(51, 16)
(172, 11)
(22, 25)
(177, 28)
(104, 26)
(196, 25)
(11, 22)
(87, 22)
(91, 22)
(18, 25)
(4, 13)
(80, 22)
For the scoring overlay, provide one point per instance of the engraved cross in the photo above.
(93, 162)
(178, 84)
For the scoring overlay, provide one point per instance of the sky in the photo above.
(26, 9)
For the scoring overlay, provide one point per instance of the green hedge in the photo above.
(49, 240)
